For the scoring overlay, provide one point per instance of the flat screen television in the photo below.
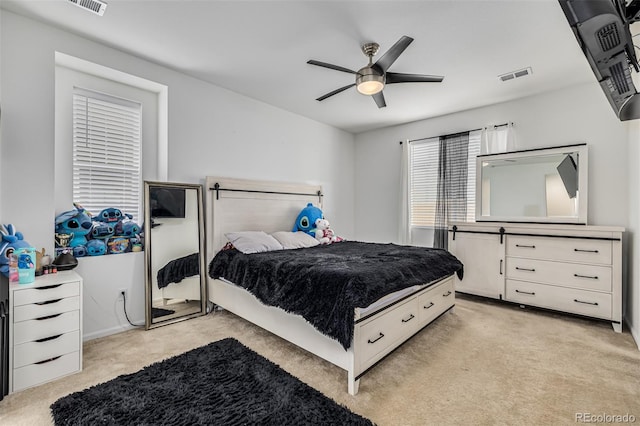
(568, 171)
(167, 202)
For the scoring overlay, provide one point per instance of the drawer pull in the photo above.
(531, 293)
(525, 269)
(48, 360)
(375, 340)
(411, 316)
(430, 305)
(46, 339)
(48, 302)
(524, 246)
(586, 251)
(447, 294)
(595, 277)
(586, 303)
(48, 287)
(48, 317)
(500, 266)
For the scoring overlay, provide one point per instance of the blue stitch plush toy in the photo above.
(112, 215)
(11, 240)
(76, 222)
(306, 220)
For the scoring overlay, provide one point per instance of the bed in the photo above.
(392, 314)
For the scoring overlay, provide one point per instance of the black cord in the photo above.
(124, 306)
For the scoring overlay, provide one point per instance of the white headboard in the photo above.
(253, 205)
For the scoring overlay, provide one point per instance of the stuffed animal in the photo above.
(324, 233)
(11, 240)
(101, 231)
(127, 229)
(112, 215)
(74, 222)
(96, 248)
(306, 220)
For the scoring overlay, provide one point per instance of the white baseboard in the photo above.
(106, 332)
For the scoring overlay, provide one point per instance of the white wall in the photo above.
(212, 131)
(576, 114)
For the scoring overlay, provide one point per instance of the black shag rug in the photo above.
(161, 312)
(223, 383)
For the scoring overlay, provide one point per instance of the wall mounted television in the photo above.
(167, 202)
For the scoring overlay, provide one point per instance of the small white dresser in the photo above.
(45, 334)
(569, 268)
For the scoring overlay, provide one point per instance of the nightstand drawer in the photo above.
(43, 309)
(44, 294)
(27, 331)
(561, 249)
(34, 374)
(588, 277)
(582, 302)
(34, 352)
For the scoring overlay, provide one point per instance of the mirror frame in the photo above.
(149, 324)
(583, 185)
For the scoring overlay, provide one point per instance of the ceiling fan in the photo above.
(371, 79)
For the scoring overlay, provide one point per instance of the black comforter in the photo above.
(178, 269)
(324, 284)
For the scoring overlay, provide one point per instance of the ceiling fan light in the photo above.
(370, 87)
(368, 82)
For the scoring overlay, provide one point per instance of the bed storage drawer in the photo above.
(388, 328)
(434, 301)
(582, 302)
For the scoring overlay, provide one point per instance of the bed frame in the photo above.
(248, 205)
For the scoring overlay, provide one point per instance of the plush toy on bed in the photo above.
(306, 220)
(324, 233)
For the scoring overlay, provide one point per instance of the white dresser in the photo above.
(45, 334)
(569, 268)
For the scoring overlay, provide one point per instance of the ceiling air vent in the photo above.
(94, 6)
(515, 74)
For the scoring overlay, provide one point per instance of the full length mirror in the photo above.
(538, 185)
(174, 244)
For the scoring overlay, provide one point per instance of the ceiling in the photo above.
(260, 49)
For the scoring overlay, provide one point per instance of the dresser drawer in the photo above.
(562, 249)
(435, 301)
(33, 352)
(583, 302)
(34, 374)
(588, 277)
(44, 294)
(27, 331)
(43, 309)
(380, 333)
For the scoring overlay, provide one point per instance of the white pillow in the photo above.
(294, 240)
(253, 241)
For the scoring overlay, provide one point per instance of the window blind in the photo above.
(106, 152)
(423, 179)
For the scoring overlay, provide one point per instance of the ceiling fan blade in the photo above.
(392, 54)
(395, 77)
(330, 66)
(379, 98)
(335, 92)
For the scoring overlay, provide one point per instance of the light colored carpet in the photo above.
(486, 363)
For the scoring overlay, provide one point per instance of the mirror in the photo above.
(174, 252)
(538, 185)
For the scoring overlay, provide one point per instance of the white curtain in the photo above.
(404, 231)
(497, 139)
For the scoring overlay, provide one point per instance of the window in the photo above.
(106, 152)
(423, 180)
